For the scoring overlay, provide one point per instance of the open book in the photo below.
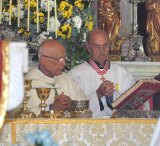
(134, 97)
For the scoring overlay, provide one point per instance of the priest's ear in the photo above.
(87, 45)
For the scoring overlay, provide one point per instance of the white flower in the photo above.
(77, 21)
(42, 37)
(15, 12)
(53, 23)
(44, 5)
(21, 14)
(5, 16)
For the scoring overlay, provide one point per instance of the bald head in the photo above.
(95, 34)
(51, 57)
(51, 47)
(98, 45)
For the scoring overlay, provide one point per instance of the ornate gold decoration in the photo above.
(54, 114)
(4, 48)
(115, 57)
(109, 20)
(43, 94)
(24, 112)
(153, 28)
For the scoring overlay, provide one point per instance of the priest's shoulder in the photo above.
(32, 74)
(81, 67)
(116, 66)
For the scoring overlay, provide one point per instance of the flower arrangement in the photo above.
(69, 24)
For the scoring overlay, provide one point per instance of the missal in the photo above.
(136, 96)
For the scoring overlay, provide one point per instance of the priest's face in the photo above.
(53, 59)
(99, 46)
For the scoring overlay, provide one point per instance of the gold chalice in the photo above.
(43, 94)
(24, 112)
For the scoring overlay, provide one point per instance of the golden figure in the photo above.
(153, 27)
(109, 20)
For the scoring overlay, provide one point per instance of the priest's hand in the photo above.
(105, 89)
(62, 102)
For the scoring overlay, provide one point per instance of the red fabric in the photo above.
(0, 68)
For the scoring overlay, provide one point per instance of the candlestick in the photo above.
(18, 9)
(10, 12)
(55, 13)
(37, 9)
(48, 7)
(28, 16)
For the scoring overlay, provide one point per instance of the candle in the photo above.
(28, 16)
(37, 10)
(0, 11)
(55, 16)
(18, 9)
(10, 12)
(48, 7)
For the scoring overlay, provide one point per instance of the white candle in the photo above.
(55, 16)
(37, 10)
(10, 12)
(28, 16)
(18, 9)
(0, 11)
(48, 18)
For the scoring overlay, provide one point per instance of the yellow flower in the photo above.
(26, 33)
(90, 18)
(21, 30)
(89, 25)
(81, 7)
(69, 14)
(79, 4)
(41, 19)
(65, 32)
(61, 7)
(64, 27)
(33, 3)
(64, 14)
(41, 14)
(4, 10)
(59, 33)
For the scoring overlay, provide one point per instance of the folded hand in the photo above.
(62, 102)
(105, 89)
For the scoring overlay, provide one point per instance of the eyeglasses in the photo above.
(98, 47)
(58, 59)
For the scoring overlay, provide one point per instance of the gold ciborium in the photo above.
(43, 94)
(24, 112)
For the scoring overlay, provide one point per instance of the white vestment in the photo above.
(63, 83)
(89, 80)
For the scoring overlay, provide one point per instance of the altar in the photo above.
(82, 132)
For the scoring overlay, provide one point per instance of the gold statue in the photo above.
(109, 20)
(153, 27)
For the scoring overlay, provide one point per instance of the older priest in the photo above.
(49, 74)
(102, 81)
